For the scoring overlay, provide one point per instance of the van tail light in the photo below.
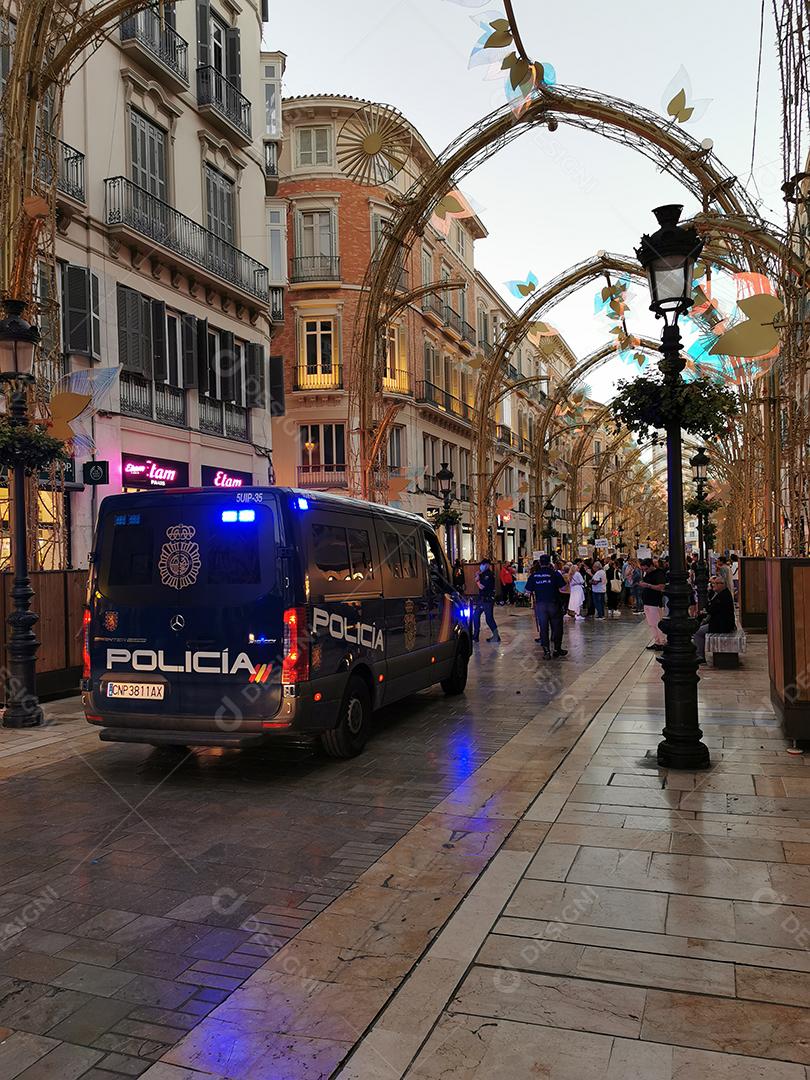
(295, 665)
(86, 643)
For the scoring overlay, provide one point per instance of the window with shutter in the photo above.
(227, 366)
(76, 309)
(134, 332)
(203, 32)
(255, 384)
(203, 381)
(48, 325)
(189, 344)
(160, 359)
(233, 59)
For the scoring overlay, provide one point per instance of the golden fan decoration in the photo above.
(373, 145)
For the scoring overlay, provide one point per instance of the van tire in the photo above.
(354, 722)
(456, 681)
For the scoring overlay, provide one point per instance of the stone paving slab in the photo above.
(658, 936)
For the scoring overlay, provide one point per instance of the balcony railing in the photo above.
(211, 416)
(312, 378)
(504, 434)
(277, 303)
(486, 346)
(453, 319)
(322, 476)
(236, 421)
(170, 405)
(162, 41)
(224, 98)
(442, 399)
(430, 485)
(69, 164)
(468, 333)
(271, 159)
(136, 396)
(136, 208)
(464, 492)
(397, 381)
(316, 268)
(403, 280)
(433, 304)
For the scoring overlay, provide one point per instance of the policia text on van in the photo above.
(220, 619)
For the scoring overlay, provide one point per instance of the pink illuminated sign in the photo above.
(224, 478)
(146, 472)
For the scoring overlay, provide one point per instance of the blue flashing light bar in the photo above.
(302, 503)
(229, 515)
(247, 515)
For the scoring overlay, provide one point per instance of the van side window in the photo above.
(391, 555)
(410, 560)
(331, 552)
(360, 555)
(437, 567)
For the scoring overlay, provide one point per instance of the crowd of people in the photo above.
(598, 588)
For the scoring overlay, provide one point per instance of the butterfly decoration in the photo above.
(76, 398)
(678, 101)
(756, 335)
(612, 298)
(543, 329)
(452, 205)
(399, 485)
(495, 50)
(475, 362)
(522, 289)
(505, 505)
(523, 488)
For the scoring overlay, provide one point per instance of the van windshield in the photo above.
(193, 552)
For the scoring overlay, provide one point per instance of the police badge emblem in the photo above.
(179, 563)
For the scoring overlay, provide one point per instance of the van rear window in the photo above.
(186, 551)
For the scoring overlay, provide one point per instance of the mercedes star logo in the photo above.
(177, 622)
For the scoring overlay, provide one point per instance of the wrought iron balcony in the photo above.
(432, 304)
(430, 485)
(68, 162)
(453, 320)
(224, 101)
(315, 268)
(136, 396)
(277, 303)
(403, 280)
(486, 346)
(322, 476)
(170, 405)
(504, 434)
(309, 377)
(442, 399)
(223, 418)
(468, 333)
(397, 381)
(134, 208)
(160, 42)
(271, 159)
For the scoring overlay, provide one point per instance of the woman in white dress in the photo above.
(577, 596)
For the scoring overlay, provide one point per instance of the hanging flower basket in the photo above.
(549, 534)
(693, 507)
(647, 405)
(28, 446)
(447, 517)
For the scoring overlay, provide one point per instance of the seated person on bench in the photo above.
(720, 620)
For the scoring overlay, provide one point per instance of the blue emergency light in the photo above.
(238, 515)
(302, 503)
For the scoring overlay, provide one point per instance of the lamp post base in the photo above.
(23, 716)
(689, 756)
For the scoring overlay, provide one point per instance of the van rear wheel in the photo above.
(354, 722)
(457, 679)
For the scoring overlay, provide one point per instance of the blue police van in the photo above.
(224, 619)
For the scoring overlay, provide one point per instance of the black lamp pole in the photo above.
(668, 256)
(700, 467)
(445, 478)
(621, 544)
(551, 511)
(595, 528)
(18, 339)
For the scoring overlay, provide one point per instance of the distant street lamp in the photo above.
(18, 342)
(621, 544)
(700, 475)
(551, 511)
(668, 257)
(595, 527)
(444, 478)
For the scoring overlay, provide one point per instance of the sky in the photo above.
(551, 199)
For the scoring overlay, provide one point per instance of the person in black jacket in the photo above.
(545, 586)
(720, 620)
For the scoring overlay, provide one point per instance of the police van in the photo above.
(223, 619)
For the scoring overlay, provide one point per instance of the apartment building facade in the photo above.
(166, 145)
(332, 226)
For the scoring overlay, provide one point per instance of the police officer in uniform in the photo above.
(545, 584)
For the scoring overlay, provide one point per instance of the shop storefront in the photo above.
(51, 497)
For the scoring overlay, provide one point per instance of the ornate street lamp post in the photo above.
(551, 511)
(18, 341)
(594, 528)
(638, 541)
(700, 475)
(668, 257)
(621, 545)
(444, 478)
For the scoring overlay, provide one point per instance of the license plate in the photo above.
(149, 691)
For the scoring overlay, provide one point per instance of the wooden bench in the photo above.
(724, 650)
